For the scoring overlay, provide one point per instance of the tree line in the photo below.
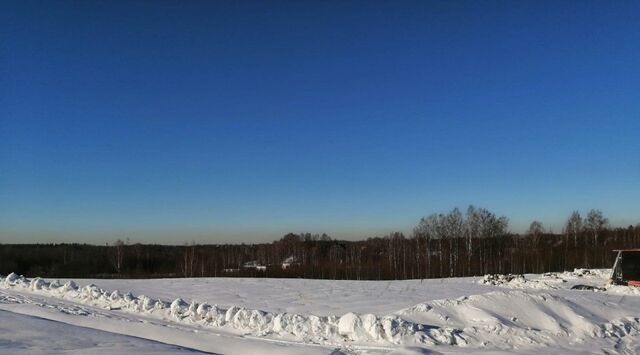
(452, 244)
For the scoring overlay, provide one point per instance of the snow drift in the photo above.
(518, 317)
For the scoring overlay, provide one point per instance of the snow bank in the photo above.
(623, 290)
(518, 317)
(350, 327)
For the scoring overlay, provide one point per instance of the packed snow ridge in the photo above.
(390, 329)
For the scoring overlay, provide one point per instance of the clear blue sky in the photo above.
(172, 121)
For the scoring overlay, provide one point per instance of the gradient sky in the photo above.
(214, 121)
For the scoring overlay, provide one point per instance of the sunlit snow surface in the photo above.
(530, 314)
(27, 334)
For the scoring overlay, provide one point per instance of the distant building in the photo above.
(253, 264)
(288, 262)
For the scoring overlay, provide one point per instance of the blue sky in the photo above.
(240, 121)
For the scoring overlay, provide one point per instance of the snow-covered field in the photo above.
(493, 314)
(21, 333)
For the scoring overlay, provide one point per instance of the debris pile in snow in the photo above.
(553, 276)
(581, 273)
(513, 281)
(349, 327)
(588, 288)
(500, 279)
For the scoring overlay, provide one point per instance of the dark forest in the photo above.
(452, 244)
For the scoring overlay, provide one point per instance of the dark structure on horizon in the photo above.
(626, 268)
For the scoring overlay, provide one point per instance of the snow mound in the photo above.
(13, 278)
(38, 284)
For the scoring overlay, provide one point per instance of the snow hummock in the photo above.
(12, 278)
